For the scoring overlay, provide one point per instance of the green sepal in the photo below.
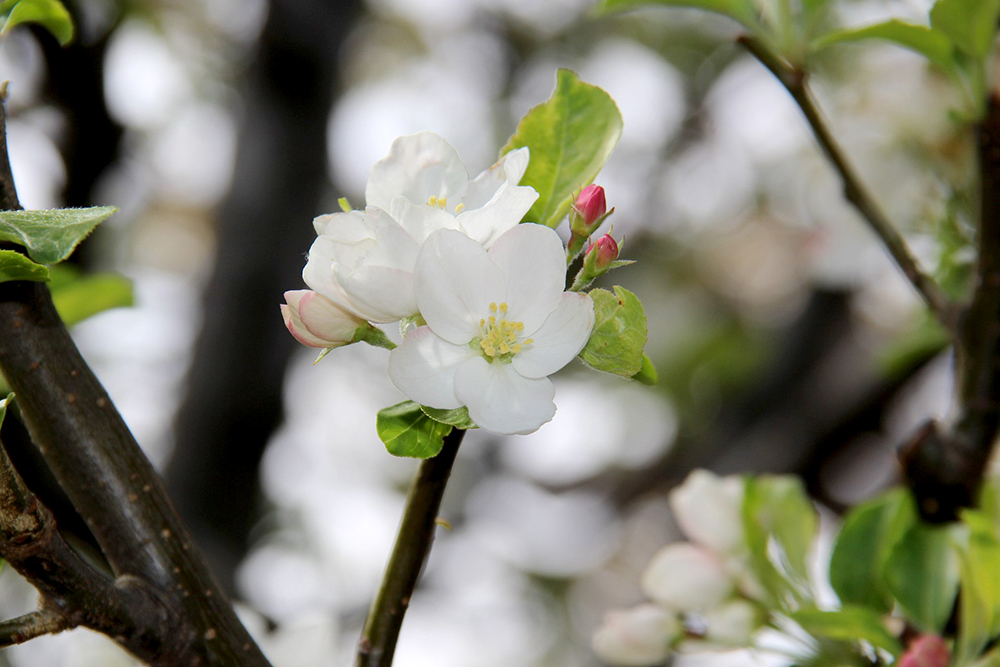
(459, 417)
(647, 373)
(619, 334)
(50, 236)
(50, 14)
(373, 336)
(570, 137)
(15, 266)
(407, 431)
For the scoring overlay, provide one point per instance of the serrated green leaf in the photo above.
(619, 334)
(647, 373)
(459, 417)
(929, 42)
(922, 573)
(50, 236)
(50, 14)
(740, 10)
(970, 24)
(779, 520)
(90, 295)
(570, 137)
(848, 624)
(407, 431)
(862, 548)
(979, 554)
(15, 266)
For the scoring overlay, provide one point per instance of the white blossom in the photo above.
(363, 260)
(709, 509)
(638, 636)
(498, 323)
(732, 624)
(686, 577)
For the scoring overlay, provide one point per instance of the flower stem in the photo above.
(413, 543)
(794, 81)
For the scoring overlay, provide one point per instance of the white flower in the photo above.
(316, 321)
(709, 509)
(638, 636)
(364, 260)
(732, 624)
(498, 323)
(686, 577)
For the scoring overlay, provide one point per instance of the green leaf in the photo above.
(848, 624)
(647, 373)
(570, 137)
(459, 417)
(50, 236)
(15, 266)
(970, 24)
(922, 573)
(979, 616)
(741, 10)
(862, 548)
(991, 659)
(50, 14)
(780, 524)
(407, 431)
(619, 334)
(90, 295)
(933, 44)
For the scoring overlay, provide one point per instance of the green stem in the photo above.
(413, 543)
(794, 81)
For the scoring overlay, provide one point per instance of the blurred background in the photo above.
(785, 339)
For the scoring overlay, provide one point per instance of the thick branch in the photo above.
(794, 81)
(107, 477)
(413, 543)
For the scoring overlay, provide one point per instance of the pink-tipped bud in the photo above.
(318, 322)
(926, 651)
(602, 253)
(591, 204)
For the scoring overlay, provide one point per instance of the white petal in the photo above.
(322, 317)
(455, 284)
(423, 368)
(686, 577)
(638, 637)
(709, 509)
(559, 339)
(508, 170)
(503, 212)
(734, 624)
(419, 166)
(379, 293)
(502, 401)
(420, 220)
(318, 273)
(534, 263)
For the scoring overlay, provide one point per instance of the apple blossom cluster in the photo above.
(434, 249)
(703, 593)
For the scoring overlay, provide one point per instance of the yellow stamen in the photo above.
(458, 209)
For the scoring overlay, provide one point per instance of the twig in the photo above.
(794, 81)
(35, 624)
(108, 478)
(413, 543)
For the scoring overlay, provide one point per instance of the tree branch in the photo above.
(35, 624)
(794, 81)
(107, 477)
(413, 542)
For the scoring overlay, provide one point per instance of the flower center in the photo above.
(500, 335)
(442, 202)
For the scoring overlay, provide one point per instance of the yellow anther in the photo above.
(520, 326)
(503, 307)
(516, 348)
(458, 209)
(528, 341)
(482, 322)
(432, 201)
(442, 202)
(493, 307)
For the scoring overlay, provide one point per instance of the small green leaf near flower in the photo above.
(15, 266)
(848, 624)
(570, 137)
(619, 334)
(970, 24)
(89, 295)
(50, 236)
(923, 575)
(929, 42)
(407, 431)
(459, 417)
(50, 14)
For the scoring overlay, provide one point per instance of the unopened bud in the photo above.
(590, 205)
(602, 253)
(926, 651)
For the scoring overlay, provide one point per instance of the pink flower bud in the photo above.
(926, 651)
(590, 204)
(602, 253)
(316, 321)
